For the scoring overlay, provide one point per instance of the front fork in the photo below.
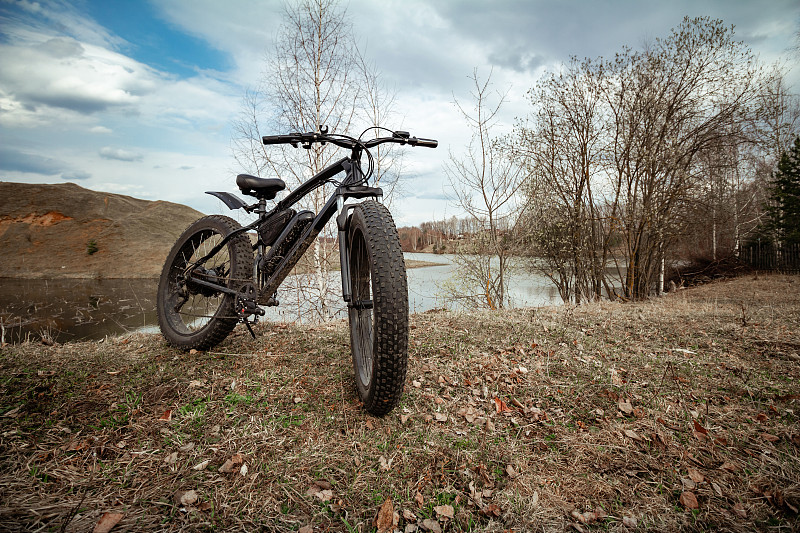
(343, 224)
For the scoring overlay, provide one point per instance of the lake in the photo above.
(78, 309)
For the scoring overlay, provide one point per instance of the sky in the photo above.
(139, 98)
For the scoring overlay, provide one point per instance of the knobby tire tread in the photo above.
(390, 358)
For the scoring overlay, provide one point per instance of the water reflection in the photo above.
(70, 310)
(74, 309)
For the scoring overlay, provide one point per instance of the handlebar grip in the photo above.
(281, 139)
(428, 143)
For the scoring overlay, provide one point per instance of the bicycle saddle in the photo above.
(259, 187)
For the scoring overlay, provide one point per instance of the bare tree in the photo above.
(485, 182)
(562, 145)
(314, 76)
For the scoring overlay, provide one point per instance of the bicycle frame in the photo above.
(336, 202)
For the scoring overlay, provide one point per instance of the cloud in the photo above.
(101, 130)
(76, 175)
(119, 154)
(17, 161)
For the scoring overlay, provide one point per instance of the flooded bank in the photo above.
(67, 310)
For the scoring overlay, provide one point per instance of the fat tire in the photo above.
(224, 319)
(380, 361)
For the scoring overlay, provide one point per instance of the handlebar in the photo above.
(307, 139)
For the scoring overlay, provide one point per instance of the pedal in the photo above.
(246, 304)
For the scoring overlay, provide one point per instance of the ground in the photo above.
(678, 413)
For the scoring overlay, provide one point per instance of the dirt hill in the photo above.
(47, 231)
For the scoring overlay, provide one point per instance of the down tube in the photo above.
(301, 246)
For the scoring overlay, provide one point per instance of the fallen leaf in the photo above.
(167, 416)
(171, 458)
(431, 525)
(232, 464)
(699, 432)
(306, 529)
(695, 475)
(512, 473)
(404, 418)
(184, 498)
(243, 470)
(633, 435)
(689, 500)
(625, 406)
(489, 426)
(205, 506)
(187, 447)
(384, 464)
(500, 406)
(419, 499)
(769, 437)
(492, 510)
(385, 519)
(107, 522)
(629, 521)
(445, 511)
(324, 495)
(739, 510)
(440, 417)
(729, 467)
(409, 515)
(201, 466)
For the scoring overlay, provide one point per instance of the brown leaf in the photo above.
(739, 510)
(689, 500)
(500, 406)
(409, 515)
(431, 525)
(445, 511)
(633, 435)
(492, 510)
(205, 506)
(695, 475)
(625, 406)
(385, 519)
(700, 432)
(730, 467)
(511, 471)
(419, 499)
(232, 464)
(769, 437)
(167, 416)
(306, 529)
(107, 522)
(440, 417)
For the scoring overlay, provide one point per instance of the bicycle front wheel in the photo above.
(193, 315)
(378, 311)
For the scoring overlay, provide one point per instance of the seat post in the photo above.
(262, 206)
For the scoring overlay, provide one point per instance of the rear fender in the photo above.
(231, 200)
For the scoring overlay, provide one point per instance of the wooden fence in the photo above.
(784, 259)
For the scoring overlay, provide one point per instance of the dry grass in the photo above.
(597, 417)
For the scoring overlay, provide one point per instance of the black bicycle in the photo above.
(216, 276)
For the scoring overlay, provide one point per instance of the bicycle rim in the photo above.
(362, 311)
(192, 306)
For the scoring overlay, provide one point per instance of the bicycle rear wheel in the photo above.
(378, 311)
(192, 315)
